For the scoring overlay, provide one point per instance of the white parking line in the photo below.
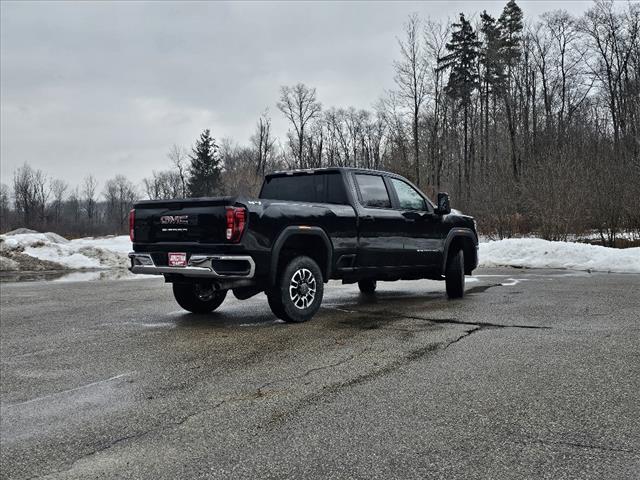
(51, 395)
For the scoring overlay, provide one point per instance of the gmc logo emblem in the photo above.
(174, 219)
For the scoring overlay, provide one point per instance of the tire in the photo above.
(454, 275)
(298, 292)
(367, 286)
(275, 304)
(198, 297)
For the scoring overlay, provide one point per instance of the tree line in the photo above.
(532, 127)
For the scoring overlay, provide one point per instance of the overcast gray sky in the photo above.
(107, 88)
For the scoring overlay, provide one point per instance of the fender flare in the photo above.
(453, 234)
(299, 230)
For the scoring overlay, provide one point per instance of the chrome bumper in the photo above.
(198, 266)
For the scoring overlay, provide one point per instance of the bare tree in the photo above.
(164, 185)
(411, 76)
(614, 37)
(179, 159)
(42, 192)
(239, 176)
(435, 41)
(23, 195)
(263, 142)
(5, 207)
(74, 209)
(120, 194)
(300, 106)
(89, 198)
(58, 189)
(31, 194)
(399, 148)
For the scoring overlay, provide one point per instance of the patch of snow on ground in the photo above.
(111, 252)
(82, 253)
(537, 253)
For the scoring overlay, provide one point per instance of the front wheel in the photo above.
(198, 297)
(298, 292)
(454, 275)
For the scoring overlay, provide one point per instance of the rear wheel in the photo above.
(275, 304)
(367, 286)
(198, 297)
(454, 275)
(298, 292)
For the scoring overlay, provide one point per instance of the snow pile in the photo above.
(52, 251)
(538, 253)
(29, 250)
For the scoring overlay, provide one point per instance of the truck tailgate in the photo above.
(174, 221)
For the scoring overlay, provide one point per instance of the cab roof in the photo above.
(309, 171)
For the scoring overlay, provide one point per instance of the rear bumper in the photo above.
(199, 265)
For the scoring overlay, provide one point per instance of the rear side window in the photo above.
(335, 189)
(319, 188)
(373, 191)
(297, 188)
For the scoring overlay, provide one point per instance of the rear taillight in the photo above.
(236, 219)
(132, 223)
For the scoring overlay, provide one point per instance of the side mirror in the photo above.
(443, 204)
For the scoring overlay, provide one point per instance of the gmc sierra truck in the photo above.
(305, 228)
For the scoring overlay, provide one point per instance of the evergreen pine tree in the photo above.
(511, 26)
(493, 75)
(490, 56)
(463, 79)
(204, 171)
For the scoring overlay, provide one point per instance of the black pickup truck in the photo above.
(305, 228)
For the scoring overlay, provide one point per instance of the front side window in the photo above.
(373, 191)
(408, 197)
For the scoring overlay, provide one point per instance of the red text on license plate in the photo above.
(178, 259)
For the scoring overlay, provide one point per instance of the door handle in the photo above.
(367, 217)
(411, 216)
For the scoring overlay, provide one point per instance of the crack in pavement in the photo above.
(167, 426)
(335, 388)
(327, 390)
(332, 389)
(106, 446)
(454, 321)
(463, 336)
(337, 364)
(315, 369)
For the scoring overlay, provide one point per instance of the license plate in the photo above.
(178, 259)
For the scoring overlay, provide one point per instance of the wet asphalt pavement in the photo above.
(535, 374)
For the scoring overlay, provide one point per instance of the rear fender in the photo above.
(299, 230)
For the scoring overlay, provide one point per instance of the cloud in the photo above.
(108, 87)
